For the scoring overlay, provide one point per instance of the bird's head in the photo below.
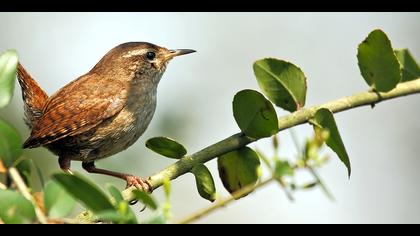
(144, 60)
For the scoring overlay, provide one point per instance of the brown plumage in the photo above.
(102, 112)
(87, 110)
(34, 98)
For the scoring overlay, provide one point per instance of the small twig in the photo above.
(295, 140)
(313, 172)
(14, 174)
(223, 202)
(321, 183)
(266, 161)
(286, 191)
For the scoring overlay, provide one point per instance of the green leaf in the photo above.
(125, 210)
(57, 201)
(10, 144)
(238, 169)
(25, 169)
(122, 215)
(85, 191)
(282, 82)
(283, 168)
(377, 62)
(204, 182)
(15, 209)
(254, 114)
(324, 119)
(166, 147)
(39, 173)
(112, 216)
(410, 68)
(8, 64)
(145, 199)
(115, 193)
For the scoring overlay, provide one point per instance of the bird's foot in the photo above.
(138, 182)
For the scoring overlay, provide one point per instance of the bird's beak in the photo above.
(178, 52)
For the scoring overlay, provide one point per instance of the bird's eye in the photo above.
(150, 55)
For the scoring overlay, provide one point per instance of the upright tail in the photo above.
(34, 98)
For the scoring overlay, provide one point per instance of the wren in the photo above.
(100, 113)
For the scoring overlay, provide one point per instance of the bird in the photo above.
(102, 112)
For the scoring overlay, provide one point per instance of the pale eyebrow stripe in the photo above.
(135, 52)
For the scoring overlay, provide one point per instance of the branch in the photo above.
(247, 189)
(14, 174)
(224, 202)
(237, 141)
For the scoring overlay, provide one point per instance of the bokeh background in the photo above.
(195, 95)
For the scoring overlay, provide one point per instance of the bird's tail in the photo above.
(34, 98)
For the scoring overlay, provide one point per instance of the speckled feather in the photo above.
(34, 98)
(76, 108)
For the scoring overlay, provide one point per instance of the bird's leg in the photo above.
(140, 183)
(64, 163)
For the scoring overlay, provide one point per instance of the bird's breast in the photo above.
(121, 131)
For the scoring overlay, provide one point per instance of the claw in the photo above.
(139, 183)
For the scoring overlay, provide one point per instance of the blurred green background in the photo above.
(195, 95)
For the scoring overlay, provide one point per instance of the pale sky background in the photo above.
(195, 95)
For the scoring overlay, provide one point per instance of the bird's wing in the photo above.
(77, 108)
(34, 98)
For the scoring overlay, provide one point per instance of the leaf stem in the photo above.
(14, 174)
(266, 161)
(321, 183)
(295, 141)
(223, 202)
(313, 172)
